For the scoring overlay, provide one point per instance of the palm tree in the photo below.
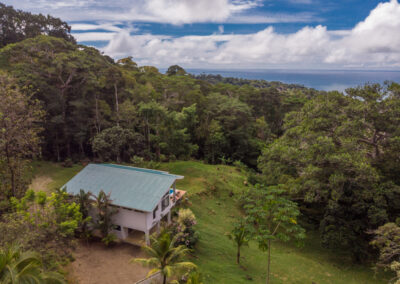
(241, 235)
(165, 258)
(17, 267)
(85, 203)
(105, 211)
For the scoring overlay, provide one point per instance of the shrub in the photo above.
(68, 163)
(45, 224)
(138, 161)
(109, 239)
(184, 229)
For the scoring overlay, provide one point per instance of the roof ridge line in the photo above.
(142, 170)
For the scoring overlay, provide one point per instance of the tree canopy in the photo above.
(17, 25)
(331, 158)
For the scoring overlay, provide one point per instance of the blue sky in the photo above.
(234, 34)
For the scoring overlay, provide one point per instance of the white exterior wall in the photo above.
(130, 219)
(141, 221)
(159, 215)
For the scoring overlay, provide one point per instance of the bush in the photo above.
(109, 239)
(45, 224)
(184, 229)
(254, 178)
(240, 166)
(138, 161)
(68, 163)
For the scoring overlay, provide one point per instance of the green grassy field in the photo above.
(208, 188)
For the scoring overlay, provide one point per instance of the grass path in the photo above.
(210, 190)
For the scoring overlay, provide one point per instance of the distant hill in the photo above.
(214, 79)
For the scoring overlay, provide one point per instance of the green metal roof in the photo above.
(130, 187)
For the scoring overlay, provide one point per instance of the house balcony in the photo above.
(178, 195)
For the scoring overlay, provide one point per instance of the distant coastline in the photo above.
(326, 80)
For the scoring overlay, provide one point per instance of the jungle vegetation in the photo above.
(333, 158)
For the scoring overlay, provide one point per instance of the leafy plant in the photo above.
(104, 211)
(241, 235)
(42, 223)
(109, 239)
(20, 117)
(183, 230)
(85, 204)
(274, 217)
(165, 257)
(17, 267)
(194, 278)
(387, 240)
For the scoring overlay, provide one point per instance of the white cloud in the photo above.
(86, 27)
(274, 18)
(175, 12)
(186, 11)
(374, 42)
(162, 11)
(94, 36)
(377, 38)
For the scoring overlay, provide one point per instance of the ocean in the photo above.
(326, 80)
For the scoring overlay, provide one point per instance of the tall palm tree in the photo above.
(165, 257)
(17, 267)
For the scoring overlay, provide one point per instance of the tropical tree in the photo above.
(17, 25)
(117, 143)
(103, 222)
(85, 203)
(165, 257)
(274, 217)
(330, 141)
(43, 223)
(175, 70)
(19, 135)
(17, 267)
(153, 115)
(387, 240)
(241, 235)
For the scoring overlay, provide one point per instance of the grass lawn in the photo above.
(57, 175)
(208, 188)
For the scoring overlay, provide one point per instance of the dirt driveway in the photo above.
(95, 263)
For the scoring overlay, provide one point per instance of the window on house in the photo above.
(165, 203)
(155, 212)
(117, 228)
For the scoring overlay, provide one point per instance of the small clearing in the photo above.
(41, 183)
(96, 264)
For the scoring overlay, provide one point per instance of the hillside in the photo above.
(209, 188)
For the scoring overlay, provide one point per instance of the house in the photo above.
(142, 196)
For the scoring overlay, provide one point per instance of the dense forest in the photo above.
(337, 155)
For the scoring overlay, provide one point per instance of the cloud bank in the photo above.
(374, 42)
(156, 11)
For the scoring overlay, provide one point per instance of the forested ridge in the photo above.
(85, 93)
(336, 155)
(255, 83)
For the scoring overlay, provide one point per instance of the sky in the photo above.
(236, 34)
